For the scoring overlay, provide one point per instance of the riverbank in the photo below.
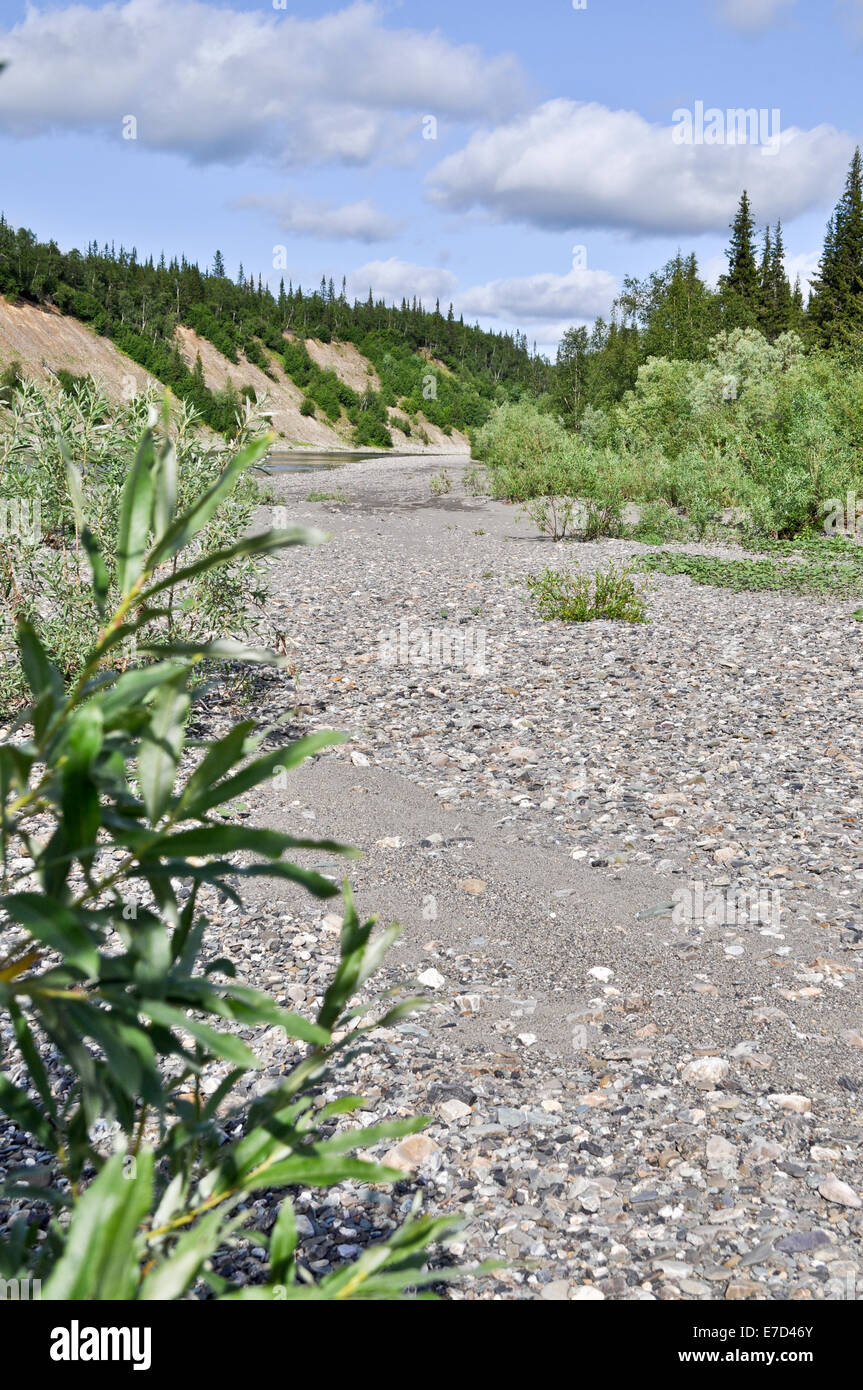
(641, 1101)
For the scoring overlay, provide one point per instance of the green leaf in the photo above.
(161, 746)
(100, 1260)
(185, 527)
(172, 1276)
(258, 545)
(56, 926)
(226, 1045)
(136, 516)
(283, 1243)
(197, 799)
(43, 679)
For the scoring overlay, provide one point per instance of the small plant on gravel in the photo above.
(326, 497)
(554, 516)
(611, 593)
(118, 1015)
(441, 483)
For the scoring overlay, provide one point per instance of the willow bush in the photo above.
(40, 540)
(118, 1017)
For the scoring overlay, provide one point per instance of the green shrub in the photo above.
(582, 598)
(40, 573)
(307, 407)
(120, 1016)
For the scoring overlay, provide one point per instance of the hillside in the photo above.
(336, 373)
(46, 342)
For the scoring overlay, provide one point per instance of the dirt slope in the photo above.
(44, 340)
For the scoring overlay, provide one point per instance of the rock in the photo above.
(474, 886)
(765, 1151)
(359, 760)
(601, 973)
(801, 1242)
(793, 1103)
(431, 979)
(453, 1110)
(832, 1190)
(468, 1003)
(555, 1292)
(587, 1293)
(720, 1154)
(740, 1289)
(411, 1153)
(527, 1039)
(706, 1072)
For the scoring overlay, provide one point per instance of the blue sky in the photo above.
(554, 169)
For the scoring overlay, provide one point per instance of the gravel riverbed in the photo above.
(627, 861)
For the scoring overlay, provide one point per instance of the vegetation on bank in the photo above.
(427, 360)
(112, 838)
(42, 543)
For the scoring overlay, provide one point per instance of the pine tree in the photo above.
(836, 305)
(739, 288)
(219, 266)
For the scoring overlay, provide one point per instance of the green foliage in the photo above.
(139, 306)
(822, 571)
(441, 483)
(42, 564)
(610, 593)
(119, 1012)
(765, 428)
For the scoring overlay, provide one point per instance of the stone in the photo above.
(555, 1292)
(475, 887)
(795, 1104)
(706, 1072)
(453, 1110)
(832, 1190)
(411, 1153)
(431, 979)
(720, 1154)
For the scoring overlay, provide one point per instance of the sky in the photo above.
(514, 159)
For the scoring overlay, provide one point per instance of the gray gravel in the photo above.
(627, 864)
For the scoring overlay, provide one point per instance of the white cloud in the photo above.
(805, 264)
(218, 84)
(543, 298)
(568, 165)
(360, 221)
(754, 15)
(395, 280)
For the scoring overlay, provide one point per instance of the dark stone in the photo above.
(802, 1241)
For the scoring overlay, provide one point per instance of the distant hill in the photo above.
(333, 373)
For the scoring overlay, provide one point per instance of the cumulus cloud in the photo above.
(395, 280)
(360, 221)
(754, 15)
(569, 165)
(222, 84)
(544, 298)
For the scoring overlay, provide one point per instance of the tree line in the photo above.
(674, 313)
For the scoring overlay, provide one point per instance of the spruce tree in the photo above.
(739, 288)
(836, 305)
